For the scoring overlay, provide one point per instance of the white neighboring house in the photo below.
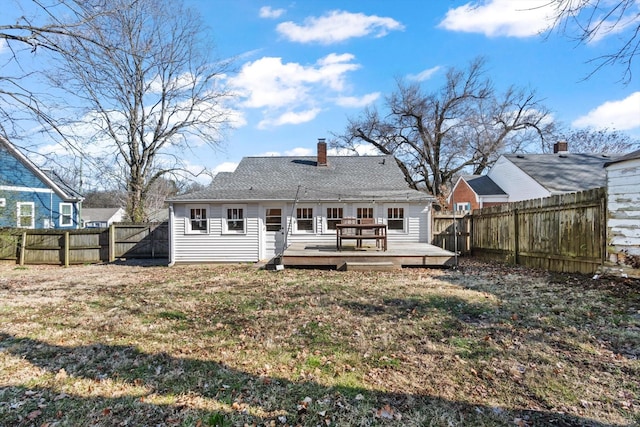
(267, 203)
(101, 217)
(623, 211)
(534, 176)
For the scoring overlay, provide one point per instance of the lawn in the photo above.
(210, 345)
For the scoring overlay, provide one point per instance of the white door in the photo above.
(273, 231)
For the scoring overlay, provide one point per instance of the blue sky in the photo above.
(305, 66)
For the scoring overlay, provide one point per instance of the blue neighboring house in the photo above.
(31, 197)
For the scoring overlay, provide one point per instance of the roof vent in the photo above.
(520, 156)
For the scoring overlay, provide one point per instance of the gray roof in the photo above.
(631, 156)
(98, 214)
(564, 172)
(482, 185)
(356, 178)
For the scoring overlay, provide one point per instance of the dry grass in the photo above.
(230, 345)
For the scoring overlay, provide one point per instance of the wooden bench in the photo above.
(353, 231)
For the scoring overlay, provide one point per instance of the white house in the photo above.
(623, 211)
(268, 203)
(101, 217)
(534, 176)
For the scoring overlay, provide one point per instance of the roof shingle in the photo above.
(281, 178)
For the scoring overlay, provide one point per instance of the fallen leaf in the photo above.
(385, 412)
(34, 414)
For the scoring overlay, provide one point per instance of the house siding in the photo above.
(19, 184)
(215, 246)
(516, 183)
(623, 213)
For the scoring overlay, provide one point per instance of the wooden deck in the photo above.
(368, 257)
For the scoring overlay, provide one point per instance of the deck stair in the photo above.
(369, 266)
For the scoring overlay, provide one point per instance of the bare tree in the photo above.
(598, 141)
(463, 126)
(146, 86)
(589, 20)
(39, 34)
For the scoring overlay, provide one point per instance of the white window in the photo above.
(334, 216)
(66, 214)
(395, 218)
(196, 221)
(26, 215)
(235, 220)
(463, 207)
(304, 220)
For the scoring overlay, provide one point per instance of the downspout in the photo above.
(51, 224)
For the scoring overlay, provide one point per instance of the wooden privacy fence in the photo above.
(86, 246)
(452, 232)
(563, 233)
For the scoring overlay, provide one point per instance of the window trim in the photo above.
(357, 209)
(466, 205)
(62, 214)
(188, 229)
(404, 218)
(225, 219)
(33, 214)
(326, 219)
(312, 219)
(267, 216)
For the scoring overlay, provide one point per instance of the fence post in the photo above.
(23, 247)
(112, 243)
(516, 237)
(153, 243)
(66, 248)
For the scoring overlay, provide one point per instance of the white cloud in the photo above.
(623, 114)
(337, 26)
(3, 46)
(604, 27)
(522, 18)
(357, 102)
(290, 118)
(267, 82)
(292, 93)
(269, 12)
(300, 151)
(424, 75)
(225, 167)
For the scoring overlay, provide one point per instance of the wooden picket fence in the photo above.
(65, 247)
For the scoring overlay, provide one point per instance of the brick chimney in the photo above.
(322, 152)
(561, 147)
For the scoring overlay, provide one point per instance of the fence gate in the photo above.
(452, 232)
